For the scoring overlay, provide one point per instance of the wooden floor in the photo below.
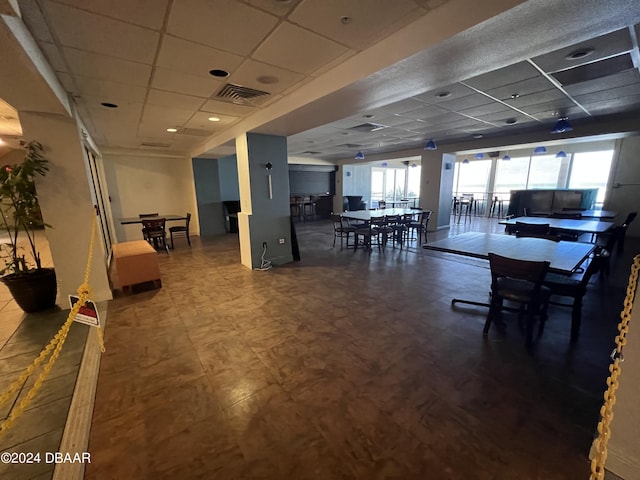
(343, 365)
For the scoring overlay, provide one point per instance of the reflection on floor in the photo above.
(343, 365)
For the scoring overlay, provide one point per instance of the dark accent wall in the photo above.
(312, 179)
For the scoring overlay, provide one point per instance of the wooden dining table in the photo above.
(168, 218)
(564, 257)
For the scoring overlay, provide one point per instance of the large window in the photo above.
(511, 175)
(544, 172)
(394, 184)
(591, 170)
(472, 177)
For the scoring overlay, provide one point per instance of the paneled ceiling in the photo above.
(152, 59)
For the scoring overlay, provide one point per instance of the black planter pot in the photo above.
(33, 291)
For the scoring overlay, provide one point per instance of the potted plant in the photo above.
(33, 288)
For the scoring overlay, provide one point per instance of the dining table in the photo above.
(168, 218)
(564, 257)
(603, 214)
(569, 225)
(367, 215)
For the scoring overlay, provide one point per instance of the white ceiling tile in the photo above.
(194, 59)
(535, 98)
(370, 20)
(174, 100)
(201, 121)
(179, 82)
(503, 76)
(107, 68)
(282, 48)
(148, 13)
(67, 82)
(110, 91)
(525, 87)
(165, 116)
(239, 30)
(95, 33)
(224, 108)
(265, 77)
(279, 9)
(439, 95)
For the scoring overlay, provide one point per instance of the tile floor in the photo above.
(343, 365)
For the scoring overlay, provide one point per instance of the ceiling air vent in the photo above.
(350, 145)
(368, 127)
(310, 152)
(155, 144)
(239, 94)
(591, 71)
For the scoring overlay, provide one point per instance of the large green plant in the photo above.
(19, 209)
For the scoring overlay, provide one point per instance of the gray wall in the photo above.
(207, 182)
(358, 183)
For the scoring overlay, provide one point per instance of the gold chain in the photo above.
(54, 347)
(606, 412)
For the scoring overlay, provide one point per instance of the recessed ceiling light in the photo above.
(444, 94)
(478, 135)
(172, 130)
(214, 119)
(368, 116)
(515, 95)
(218, 73)
(580, 53)
(109, 105)
(345, 20)
(511, 121)
(267, 79)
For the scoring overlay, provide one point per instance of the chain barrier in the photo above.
(606, 411)
(52, 350)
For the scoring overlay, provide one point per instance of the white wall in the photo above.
(626, 173)
(147, 184)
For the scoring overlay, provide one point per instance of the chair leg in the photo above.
(576, 319)
(171, 235)
(188, 238)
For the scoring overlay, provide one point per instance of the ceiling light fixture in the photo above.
(506, 157)
(510, 121)
(515, 95)
(539, 150)
(478, 135)
(479, 156)
(431, 145)
(580, 53)
(444, 94)
(562, 126)
(465, 161)
(561, 154)
(414, 165)
(359, 155)
(345, 20)
(172, 130)
(1, 141)
(384, 164)
(214, 119)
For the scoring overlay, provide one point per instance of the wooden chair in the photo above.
(420, 226)
(181, 231)
(370, 234)
(574, 287)
(398, 228)
(538, 228)
(342, 230)
(154, 232)
(148, 215)
(518, 281)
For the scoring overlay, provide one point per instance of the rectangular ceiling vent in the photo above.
(350, 145)
(155, 144)
(592, 71)
(369, 127)
(242, 95)
(196, 132)
(310, 152)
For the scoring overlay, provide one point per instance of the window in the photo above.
(472, 177)
(591, 170)
(394, 184)
(511, 175)
(413, 182)
(544, 172)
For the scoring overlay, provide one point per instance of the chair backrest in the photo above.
(527, 270)
(337, 221)
(424, 217)
(540, 228)
(392, 219)
(151, 225)
(382, 204)
(188, 220)
(378, 221)
(571, 216)
(545, 236)
(146, 215)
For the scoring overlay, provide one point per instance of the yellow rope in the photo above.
(54, 347)
(606, 412)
